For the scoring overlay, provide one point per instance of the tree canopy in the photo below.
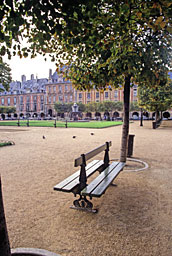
(102, 43)
(100, 39)
(158, 98)
(63, 107)
(5, 75)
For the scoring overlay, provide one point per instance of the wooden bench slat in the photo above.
(78, 161)
(69, 187)
(70, 179)
(97, 187)
(107, 181)
(98, 179)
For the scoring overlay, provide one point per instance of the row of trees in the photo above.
(109, 106)
(90, 107)
(7, 110)
(157, 98)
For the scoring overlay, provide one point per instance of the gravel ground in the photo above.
(134, 218)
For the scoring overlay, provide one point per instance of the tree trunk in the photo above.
(4, 241)
(161, 116)
(141, 117)
(125, 128)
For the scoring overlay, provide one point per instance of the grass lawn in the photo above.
(50, 123)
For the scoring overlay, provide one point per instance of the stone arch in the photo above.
(89, 114)
(106, 113)
(135, 115)
(97, 114)
(50, 112)
(35, 115)
(146, 114)
(42, 115)
(28, 115)
(3, 116)
(166, 114)
(62, 115)
(115, 114)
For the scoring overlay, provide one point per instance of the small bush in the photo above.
(7, 143)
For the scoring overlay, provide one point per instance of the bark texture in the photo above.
(4, 241)
(125, 128)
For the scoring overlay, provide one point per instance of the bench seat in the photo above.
(99, 185)
(69, 184)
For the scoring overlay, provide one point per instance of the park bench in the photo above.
(77, 182)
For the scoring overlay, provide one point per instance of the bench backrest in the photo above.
(79, 161)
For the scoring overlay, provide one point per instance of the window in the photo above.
(66, 98)
(42, 98)
(49, 89)
(2, 101)
(15, 101)
(49, 99)
(71, 98)
(54, 99)
(106, 95)
(66, 87)
(21, 107)
(27, 107)
(8, 101)
(88, 95)
(80, 95)
(115, 93)
(60, 98)
(42, 107)
(60, 89)
(35, 99)
(54, 88)
(21, 99)
(135, 92)
(97, 95)
(34, 107)
(28, 99)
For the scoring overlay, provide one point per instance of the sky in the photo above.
(26, 66)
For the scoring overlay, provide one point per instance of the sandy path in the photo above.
(134, 218)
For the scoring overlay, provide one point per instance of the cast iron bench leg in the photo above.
(83, 204)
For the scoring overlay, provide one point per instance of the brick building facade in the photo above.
(35, 98)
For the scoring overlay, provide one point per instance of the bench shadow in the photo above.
(128, 208)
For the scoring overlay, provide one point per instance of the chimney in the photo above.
(23, 78)
(50, 73)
